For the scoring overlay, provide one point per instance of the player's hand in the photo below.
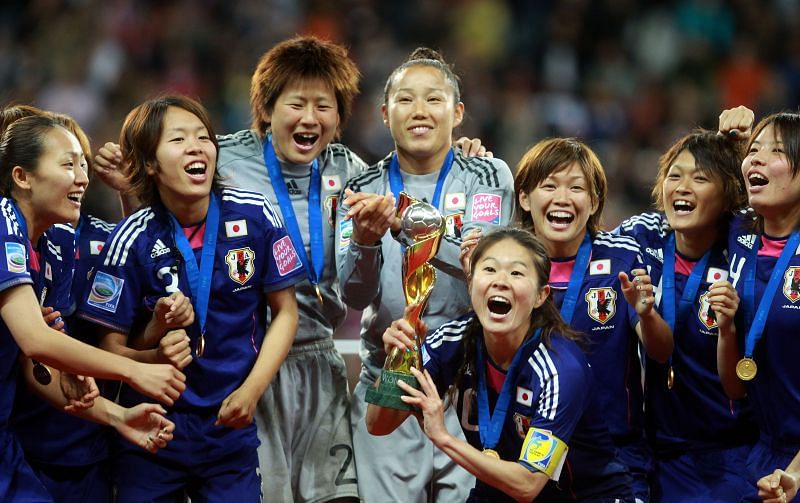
(53, 318)
(175, 311)
(737, 122)
(145, 425)
(372, 214)
(80, 391)
(162, 382)
(639, 292)
(238, 408)
(400, 334)
(428, 400)
(777, 487)
(468, 243)
(108, 167)
(724, 301)
(175, 348)
(472, 147)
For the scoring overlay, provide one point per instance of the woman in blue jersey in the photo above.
(226, 250)
(521, 386)
(700, 437)
(760, 360)
(561, 190)
(42, 182)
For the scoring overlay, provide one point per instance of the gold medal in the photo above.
(41, 373)
(670, 378)
(491, 453)
(201, 346)
(319, 293)
(746, 369)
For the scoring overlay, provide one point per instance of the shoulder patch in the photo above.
(486, 207)
(15, 257)
(106, 291)
(285, 256)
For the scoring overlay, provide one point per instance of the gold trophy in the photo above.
(423, 226)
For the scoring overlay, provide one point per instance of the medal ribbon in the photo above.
(490, 425)
(315, 265)
(760, 319)
(576, 279)
(396, 179)
(199, 278)
(689, 290)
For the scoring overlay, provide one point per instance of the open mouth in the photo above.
(499, 305)
(682, 206)
(560, 217)
(75, 197)
(196, 169)
(757, 180)
(306, 140)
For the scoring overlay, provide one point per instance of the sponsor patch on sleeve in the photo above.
(345, 231)
(106, 291)
(285, 256)
(544, 451)
(486, 208)
(15, 257)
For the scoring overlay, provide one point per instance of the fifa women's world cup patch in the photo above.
(106, 291)
(15, 257)
(241, 264)
(544, 452)
(601, 303)
(345, 231)
(286, 257)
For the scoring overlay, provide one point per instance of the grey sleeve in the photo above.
(490, 204)
(358, 267)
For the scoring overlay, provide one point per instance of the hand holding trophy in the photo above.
(423, 226)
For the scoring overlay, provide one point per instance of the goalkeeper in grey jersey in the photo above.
(421, 108)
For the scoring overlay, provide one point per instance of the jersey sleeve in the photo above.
(489, 203)
(563, 386)
(14, 253)
(284, 267)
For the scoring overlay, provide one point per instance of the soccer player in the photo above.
(700, 437)
(520, 384)
(422, 106)
(759, 358)
(225, 249)
(561, 190)
(42, 182)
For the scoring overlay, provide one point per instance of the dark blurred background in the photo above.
(626, 76)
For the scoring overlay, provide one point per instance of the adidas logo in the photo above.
(293, 188)
(747, 240)
(159, 249)
(656, 252)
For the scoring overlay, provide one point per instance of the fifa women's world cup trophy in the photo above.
(423, 227)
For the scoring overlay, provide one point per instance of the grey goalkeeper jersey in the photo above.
(477, 193)
(241, 164)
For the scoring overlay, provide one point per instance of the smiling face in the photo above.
(421, 113)
(57, 184)
(560, 207)
(304, 120)
(186, 160)
(693, 201)
(505, 289)
(772, 189)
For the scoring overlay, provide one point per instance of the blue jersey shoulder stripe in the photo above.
(99, 223)
(614, 241)
(543, 365)
(55, 250)
(125, 236)
(450, 331)
(650, 221)
(12, 226)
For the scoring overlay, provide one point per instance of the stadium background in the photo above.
(626, 76)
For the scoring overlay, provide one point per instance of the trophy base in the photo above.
(388, 393)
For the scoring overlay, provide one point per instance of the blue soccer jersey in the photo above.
(775, 391)
(141, 263)
(49, 435)
(695, 414)
(554, 396)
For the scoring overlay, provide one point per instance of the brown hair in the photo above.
(302, 58)
(22, 145)
(140, 135)
(550, 156)
(717, 157)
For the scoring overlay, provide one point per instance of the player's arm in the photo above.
(724, 301)
(22, 315)
(653, 331)
(780, 486)
(238, 408)
(172, 312)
